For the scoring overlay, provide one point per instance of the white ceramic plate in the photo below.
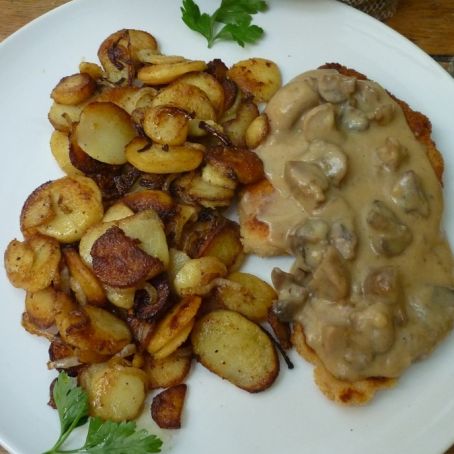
(292, 417)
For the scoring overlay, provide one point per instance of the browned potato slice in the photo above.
(63, 209)
(219, 176)
(244, 164)
(29, 325)
(192, 188)
(128, 98)
(119, 262)
(62, 117)
(209, 85)
(164, 159)
(88, 239)
(73, 90)
(116, 212)
(251, 296)
(167, 407)
(195, 275)
(187, 97)
(92, 69)
(115, 391)
(177, 318)
(159, 201)
(147, 229)
(32, 264)
(236, 349)
(88, 282)
(153, 57)
(103, 131)
(140, 41)
(166, 124)
(236, 127)
(257, 131)
(168, 72)
(168, 371)
(90, 328)
(60, 146)
(257, 76)
(176, 225)
(178, 340)
(40, 307)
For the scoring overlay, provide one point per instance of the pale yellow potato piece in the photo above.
(185, 213)
(178, 340)
(32, 264)
(236, 349)
(92, 69)
(257, 131)
(60, 146)
(90, 328)
(73, 90)
(209, 85)
(257, 76)
(187, 97)
(103, 131)
(195, 275)
(116, 391)
(177, 260)
(86, 279)
(214, 176)
(163, 159)
(174, 321)
(120, 297)
(40, 307)
(128, 98)
(62, 117)
(147, 228)
(116, 212)
(166, 125)
(88, 239)
(168, 72)
(153, 57)
(251, 296)
(74, 205)
(237, 127)
(169, 371)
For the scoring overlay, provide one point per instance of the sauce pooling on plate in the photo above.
(359, 205)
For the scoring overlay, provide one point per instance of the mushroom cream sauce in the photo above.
(358, 204)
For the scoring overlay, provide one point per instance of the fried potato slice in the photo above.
(62, 117)
(32, 264)
(119, 262)
(40, 307)
(115, 390)
(165, 73)
(159, 201)
(153, 57)
(90, 328)
(164, 159)
(178, 340)
(116, 212)
(74, 89)
(219, 176)
(241, 163)
(60, 146)
(169, 371)
(257, 131)
(88, 239)
(249, 295)
(195, 275)
(236, 128)
(257, 76)
(63, 209)
(187, 97)
(167, 407)
(176, 319)
(88, 282)
(92, 69)
(128, 98)
(236, 349)
(166, 124)
(103, 131)
(209, 85)
(120, 297)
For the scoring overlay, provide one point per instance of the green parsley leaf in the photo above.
(235, 14)
(103, 437)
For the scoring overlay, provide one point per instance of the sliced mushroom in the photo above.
(388, 235)
(320, 123)
(391, 154)
(307, 183)
(353, 119)
(409, 195)
(329, 157)
(383, 114)
(344, 239)
(335, 87)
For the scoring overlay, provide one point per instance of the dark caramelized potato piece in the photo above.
(244, 164)
(119, 262)
(159, 201)
(167, 407)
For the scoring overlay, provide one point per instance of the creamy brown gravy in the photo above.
(360, 207)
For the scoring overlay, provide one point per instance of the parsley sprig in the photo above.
(103, 437)
(236, 15)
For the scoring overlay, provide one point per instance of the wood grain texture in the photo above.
(428, 23)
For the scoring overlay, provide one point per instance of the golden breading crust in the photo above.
(255, 234)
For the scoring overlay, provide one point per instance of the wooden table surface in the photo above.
(428, 23)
